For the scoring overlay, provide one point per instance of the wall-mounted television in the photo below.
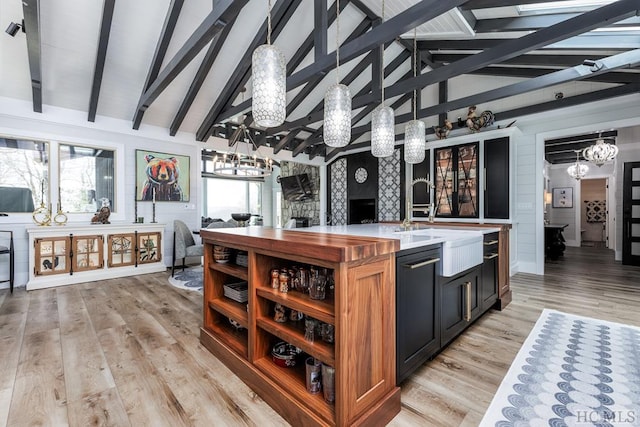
(296, 188)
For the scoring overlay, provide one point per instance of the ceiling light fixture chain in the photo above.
(383, 135)
(269, 81)
(337, 103)
(242, 165)
(415, 132)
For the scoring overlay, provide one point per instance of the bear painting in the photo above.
(162, 177)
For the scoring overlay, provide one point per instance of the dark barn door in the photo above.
(631, 214)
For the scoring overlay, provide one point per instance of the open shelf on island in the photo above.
(231, 309)
(319, 309)
(231, 269)
(236, 339)
(294, 335)
(293, 380)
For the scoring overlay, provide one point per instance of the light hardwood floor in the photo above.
(126, 351)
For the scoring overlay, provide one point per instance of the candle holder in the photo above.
(61, 217)
(153, 212)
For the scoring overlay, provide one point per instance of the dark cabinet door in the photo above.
(496, 170)
(460, 304)
(489, 287)
(456, 181)
(417, 311)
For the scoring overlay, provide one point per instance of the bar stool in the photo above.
(7, 250)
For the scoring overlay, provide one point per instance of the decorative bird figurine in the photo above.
(443, 131)
(475, 123)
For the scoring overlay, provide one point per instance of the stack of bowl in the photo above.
(221, 254)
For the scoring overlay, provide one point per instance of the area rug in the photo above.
(571, 371)
(190, 278)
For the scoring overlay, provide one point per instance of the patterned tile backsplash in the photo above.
(339, 192)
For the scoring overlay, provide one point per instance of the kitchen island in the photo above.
(360, 264)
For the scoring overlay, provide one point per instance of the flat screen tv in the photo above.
(296, 188)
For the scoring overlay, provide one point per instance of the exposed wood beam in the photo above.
(101, 55)
(31, 13)
(579, 72)
(365, 9)
(241, 73)
(161, 49)
(312, 83)
(612, 77)
(571, 101)
(590, 42)
(224, 12)
(316, 137)
(551, 144)
(320, 26)
(201, 75)
(443, 96)
(521, 23)
(286, 140)
(484, 4)
(387, 31)
(550, 60)
(511, 48)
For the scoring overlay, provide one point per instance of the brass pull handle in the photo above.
(492, 256)
(467, 311)
(422, 264)
(489, 243)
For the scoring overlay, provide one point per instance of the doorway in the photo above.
(593, 213)
(631, 214)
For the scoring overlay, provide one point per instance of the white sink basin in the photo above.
(461, 250)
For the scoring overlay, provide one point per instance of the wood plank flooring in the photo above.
(125, 352)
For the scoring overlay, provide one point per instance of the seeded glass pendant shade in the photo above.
(600, 153)
(414, 141)
(383, 135)
(337, 116)
(269, 74)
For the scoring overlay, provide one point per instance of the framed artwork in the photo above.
(562, 197)
(162, 177)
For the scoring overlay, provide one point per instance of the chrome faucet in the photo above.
(406, 224)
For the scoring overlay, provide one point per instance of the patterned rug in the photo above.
(190, 278)
(571, 371)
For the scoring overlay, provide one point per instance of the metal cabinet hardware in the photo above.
(422, 263)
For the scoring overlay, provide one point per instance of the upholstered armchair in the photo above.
(6, 248)
(183, 244)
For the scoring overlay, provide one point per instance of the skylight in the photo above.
(568, 4)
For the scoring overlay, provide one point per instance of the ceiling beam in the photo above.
(579, 72)
(101, 55)
(224, 12)
(521, 23)
(511, 48)
(161, 49)
(320, 26)
(286, 140)
(310, 86)
(550, 60)
(485, 4)
(31, 13)
(205, 66)
(611, 77)
(590, 42)
(607, 134)
(412, 17)
(237, 80)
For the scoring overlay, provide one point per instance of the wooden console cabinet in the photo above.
(70, 254)
(361, 309)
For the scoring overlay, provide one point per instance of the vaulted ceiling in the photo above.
(186, 65)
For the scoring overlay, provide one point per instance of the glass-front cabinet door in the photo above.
(52, 255)
(87, 253)
(121, 249)
(456, 173)
(149, 249)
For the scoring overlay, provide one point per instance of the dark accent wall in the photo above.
(369, 188)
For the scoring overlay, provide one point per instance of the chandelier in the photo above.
(600, 152)
(269, 79)
(383, 134)
(337, 103)
(578, 170)
(242, 165)
(414, 131)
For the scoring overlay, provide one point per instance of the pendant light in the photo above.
(269, 76)
(337, 103)
(414, 131)
(578, 170)
(600, 153)
(383, 134)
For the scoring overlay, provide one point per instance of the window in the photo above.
(222, 197)
(86, 177)
(24, 173)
